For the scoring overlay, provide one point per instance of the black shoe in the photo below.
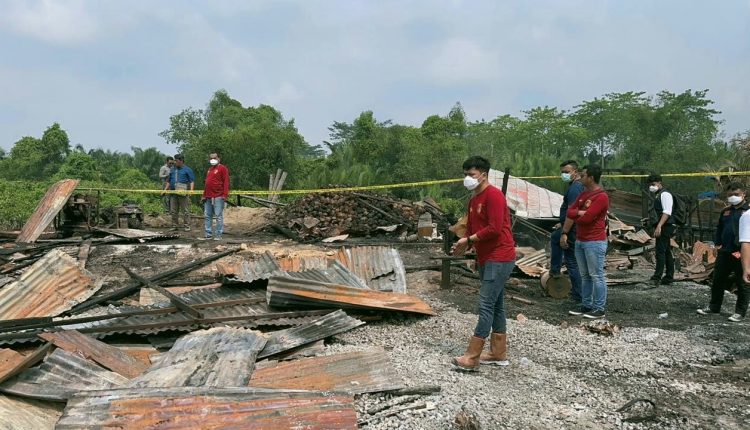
(593, 315)
(666, 281)
(580, 310)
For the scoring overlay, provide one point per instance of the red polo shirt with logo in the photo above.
(489, 220)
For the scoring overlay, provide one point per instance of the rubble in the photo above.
(331, 215)
(258, 335)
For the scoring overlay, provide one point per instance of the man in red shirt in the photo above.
(488, 231)
(215, 194)
(589, 213)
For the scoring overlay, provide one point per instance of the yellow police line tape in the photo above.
(392, 186)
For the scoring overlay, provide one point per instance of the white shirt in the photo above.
(666, 202)
(745, 227)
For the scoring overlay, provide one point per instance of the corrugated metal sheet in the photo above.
(52, 285)
(248, 271)
(308, 262)
(641, 236)
(352, 373)
(323, 327)
(60, 376)
(90, 348)
(526, 199)
(219, 357)
(248, 316)
(287, 292)
(130, 233)
(17, 414)
(533, 263)
(50, 205)
(9, 361)
(380, 267)
(214, 408)
(336, 274)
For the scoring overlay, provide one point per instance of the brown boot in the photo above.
(498, 349)
(470, 360)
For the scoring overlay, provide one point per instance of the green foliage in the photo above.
(78, 165)
(253, 142)
(18, 199)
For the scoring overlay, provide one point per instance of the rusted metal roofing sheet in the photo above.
(90, 348)
(308, 262)
(214, 408)
(323, 327)
(248, 271)
(130, 233)
(533, 263)
(352, 373)
(50, 205)
(60, 376)
(9, 360)
(641, 236)
(380, 266)
(18, 413)
(52, 285)
(286, 292)
(248, 316)
(526, 199)
(219, 357)
(335, 274)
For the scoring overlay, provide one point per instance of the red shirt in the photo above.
(591, 225)
(217, 182)
(489, 220)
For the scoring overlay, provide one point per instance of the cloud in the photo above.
(464, 61)
(52, 21)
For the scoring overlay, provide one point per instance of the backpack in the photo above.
(680, 209)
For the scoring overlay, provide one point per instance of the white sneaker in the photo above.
(736, 318)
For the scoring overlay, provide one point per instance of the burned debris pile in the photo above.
(323, 215)
(243, 350)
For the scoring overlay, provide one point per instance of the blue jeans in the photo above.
(590, 256)
(494, 275)
(214, 207)
(556, 258)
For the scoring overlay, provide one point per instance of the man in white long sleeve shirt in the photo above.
(664, 228)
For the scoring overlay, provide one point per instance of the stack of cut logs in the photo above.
(356, 213)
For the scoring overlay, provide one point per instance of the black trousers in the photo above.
(727, 264)
(664, 253)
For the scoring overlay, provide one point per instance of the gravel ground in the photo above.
(559, 377)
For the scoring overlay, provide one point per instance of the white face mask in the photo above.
(470, 183)
(734, 200)
(213, 161)
(566, 177)
(653, 188)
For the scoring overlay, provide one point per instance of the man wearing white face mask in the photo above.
(569, 174)
(728, 259)
(664, 228)
(488, 231)
(215, 194)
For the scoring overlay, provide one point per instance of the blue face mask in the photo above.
(566, 177)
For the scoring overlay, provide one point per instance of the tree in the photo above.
(32, 158)
(252, 141)
(148, 161)
(78, 165)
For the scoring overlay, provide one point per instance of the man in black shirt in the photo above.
(728, 259)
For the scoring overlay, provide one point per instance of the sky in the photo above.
(113, 72)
